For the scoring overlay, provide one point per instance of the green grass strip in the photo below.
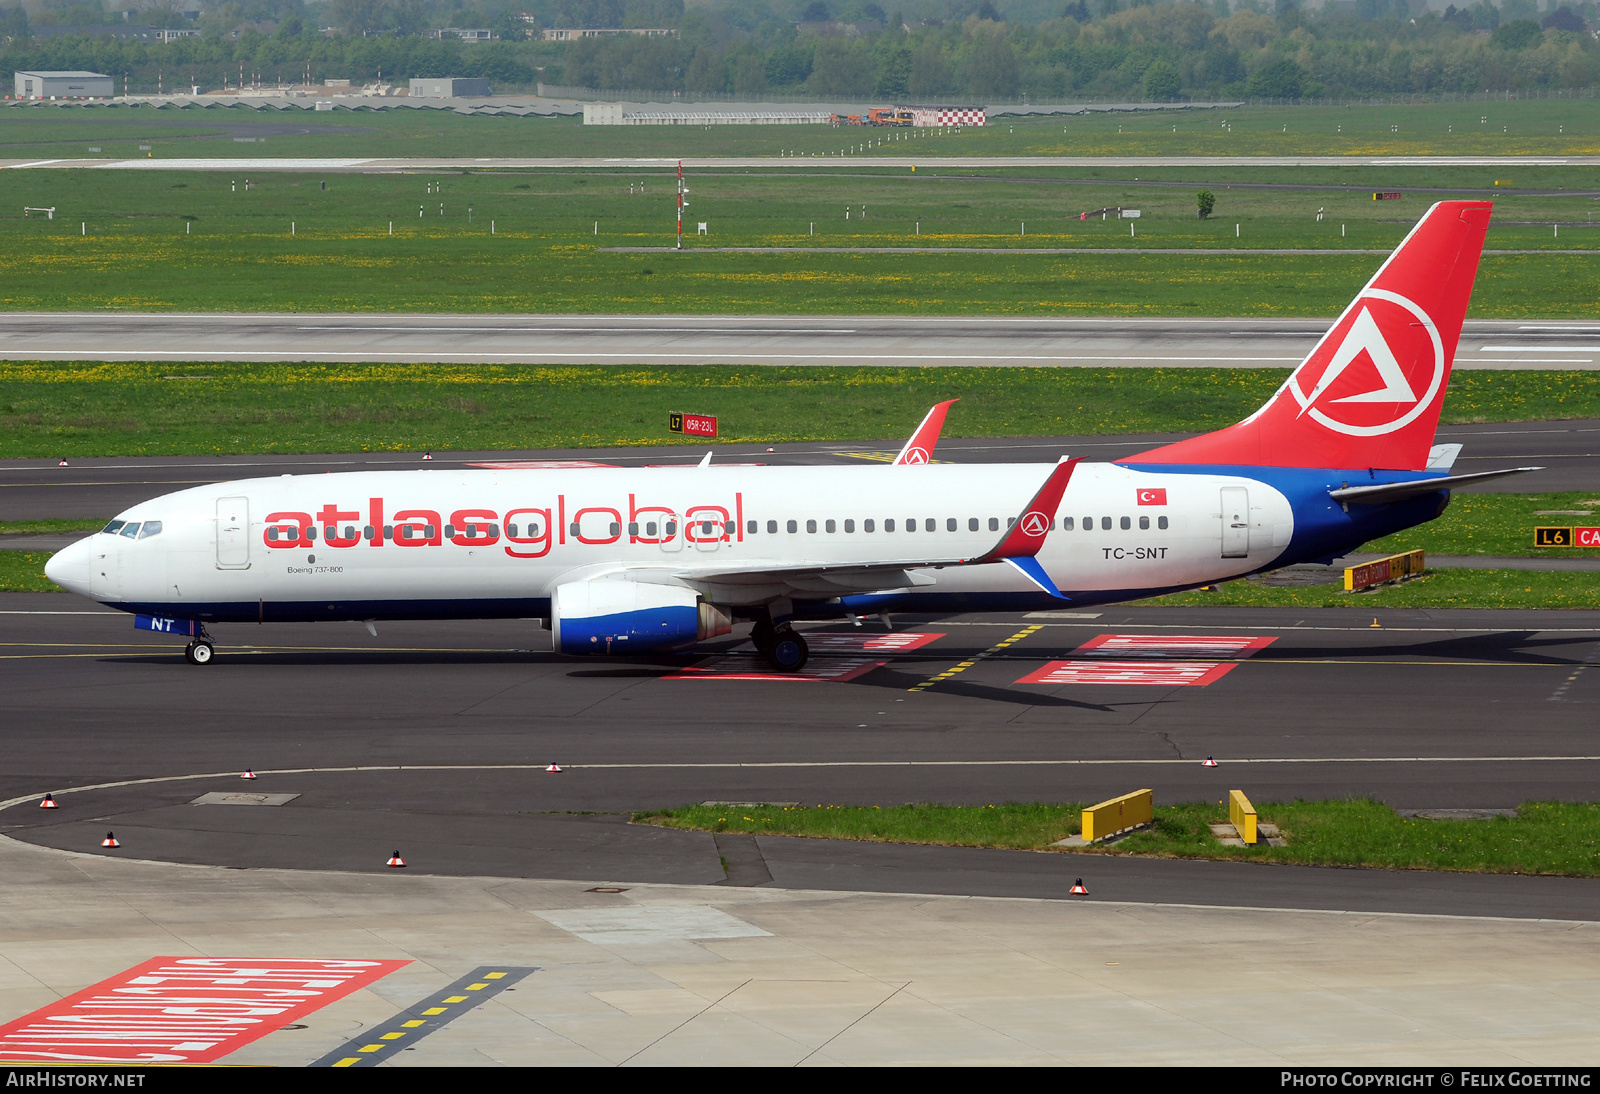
(50, 527)
(1498, 524)
(23, 572)
(50, 409)
(1544, 838)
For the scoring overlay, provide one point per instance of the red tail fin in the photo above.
(1370, 393)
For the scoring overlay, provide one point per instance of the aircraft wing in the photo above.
(919, 449)
(1018, 545)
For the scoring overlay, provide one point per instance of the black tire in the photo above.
(788, 651)
(761, 637)
(199, 653)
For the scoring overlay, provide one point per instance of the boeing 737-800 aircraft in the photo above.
(652, 560)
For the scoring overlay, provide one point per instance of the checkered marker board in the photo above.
(1163, 660)
(178, 1010)
(834, 658)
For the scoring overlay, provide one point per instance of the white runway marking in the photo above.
(1225, 761)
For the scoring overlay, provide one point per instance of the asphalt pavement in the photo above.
(787, 340)
(434, 738)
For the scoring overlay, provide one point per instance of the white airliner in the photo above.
(651, 560)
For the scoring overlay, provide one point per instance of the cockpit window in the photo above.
(131, 530)
(151, 528)
(114, 527)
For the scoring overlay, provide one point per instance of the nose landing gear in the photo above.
(200, 651)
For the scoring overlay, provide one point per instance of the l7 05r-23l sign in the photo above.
(692, 425)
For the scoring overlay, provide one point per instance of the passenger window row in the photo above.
(951, 524)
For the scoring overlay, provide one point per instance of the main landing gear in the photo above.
(784, 648)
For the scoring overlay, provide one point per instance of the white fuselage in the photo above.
(478, 543)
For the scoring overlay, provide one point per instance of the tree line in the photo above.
(1106, 49)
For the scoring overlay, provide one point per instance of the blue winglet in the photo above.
(1028, 566)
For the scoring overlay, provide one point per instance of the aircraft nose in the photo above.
(69, 568)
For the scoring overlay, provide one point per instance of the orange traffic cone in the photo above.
(395, 860)
(249, 773)
(48, 803)
(110, 841)
(554, 769)
(1209, 762)
(1078, 889)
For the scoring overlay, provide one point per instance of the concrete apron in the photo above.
(661, 974)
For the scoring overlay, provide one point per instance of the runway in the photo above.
(782, 340)
(435, 738)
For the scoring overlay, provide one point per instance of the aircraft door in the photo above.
(233, 533)
(705, 534)
(1235, 522)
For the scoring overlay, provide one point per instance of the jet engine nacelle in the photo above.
(612, 616)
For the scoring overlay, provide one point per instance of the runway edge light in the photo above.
(49, 802)
(1078, 888)
(110, 840)
(395, 860)
(1209, 761)
(249, 773)
(554, 769)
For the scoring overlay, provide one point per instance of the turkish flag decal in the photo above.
(1156, 496)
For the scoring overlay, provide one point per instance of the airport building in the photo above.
(449, 87)
(63, 85)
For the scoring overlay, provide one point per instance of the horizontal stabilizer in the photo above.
(1400, 491)
(1442, 457)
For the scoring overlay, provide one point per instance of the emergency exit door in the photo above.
(233, 533)
(1235, 522)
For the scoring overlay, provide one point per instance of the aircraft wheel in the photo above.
(199, 652)
(788, 651)
(761, 637)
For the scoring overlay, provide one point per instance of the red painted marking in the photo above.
(903, 640)
(699, 425)
(174, 1010)
(819, 670)
(1154, 669)
(1177, 645)
(1166, 674)
(1588, 537)
(835, 658)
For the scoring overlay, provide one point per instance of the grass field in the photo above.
(53, 409)
(1544, 838)
(537, 242)
(1546, 127)
(23, 572)
(1497, 524)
